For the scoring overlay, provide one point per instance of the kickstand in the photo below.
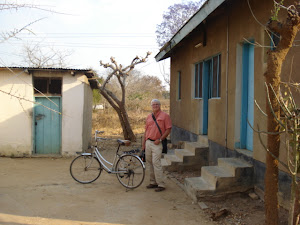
(128, 189)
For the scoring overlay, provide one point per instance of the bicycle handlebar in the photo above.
(100, 138)
(99, 132)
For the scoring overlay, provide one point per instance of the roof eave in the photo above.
(88, 72)
(197, 19)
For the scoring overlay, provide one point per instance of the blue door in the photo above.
(247, 104)
(47, 125)
(206, 90)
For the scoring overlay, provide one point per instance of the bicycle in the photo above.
(129, 168)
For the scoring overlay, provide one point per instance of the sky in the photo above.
(90, 30)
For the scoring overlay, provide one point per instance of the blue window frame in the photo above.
(275, 38)
(215, 77)
(212, 72)
(179, 86)
(198, 80)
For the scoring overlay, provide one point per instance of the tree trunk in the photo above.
(122, 114)
(124, 120)
(294, 203)
(296, 214)
(288, 32)
(271, 176)
(120, 73)
(127, 131)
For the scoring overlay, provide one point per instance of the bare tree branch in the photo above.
(267, 150)
(16, 6)
(260, 108)
(17, 31)
(264, 132)
(27, 100)
(271, 108)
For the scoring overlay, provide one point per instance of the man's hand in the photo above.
(157, 142)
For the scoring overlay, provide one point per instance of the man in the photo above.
(153, 146)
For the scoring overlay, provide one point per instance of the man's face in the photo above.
(155, 107)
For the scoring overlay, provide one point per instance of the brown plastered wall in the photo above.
(183, 112)
(186, 113)
(243, 26)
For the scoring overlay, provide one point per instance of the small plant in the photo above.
(274, 13)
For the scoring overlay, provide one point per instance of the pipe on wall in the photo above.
(227, 60)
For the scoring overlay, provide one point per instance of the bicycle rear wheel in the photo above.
(85, 169)
(130, 171)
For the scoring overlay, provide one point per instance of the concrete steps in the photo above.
(203, 139)
(230, 176)
(193, 156)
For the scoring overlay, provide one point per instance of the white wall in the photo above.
(15, 116)
(16, 125)
(77, 99)
(72, 114)
(87, 116)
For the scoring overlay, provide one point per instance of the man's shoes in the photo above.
(159, 189)
(152, 186)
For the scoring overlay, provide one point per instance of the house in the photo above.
(45, 111)
(217, 71)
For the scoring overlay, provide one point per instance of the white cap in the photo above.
(155, 100)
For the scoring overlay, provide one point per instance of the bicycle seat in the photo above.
(124, 142)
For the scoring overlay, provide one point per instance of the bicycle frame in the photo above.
(102, 160)
(129, 168)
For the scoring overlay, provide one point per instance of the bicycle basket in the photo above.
(133, 151)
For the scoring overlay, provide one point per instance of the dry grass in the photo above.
(108, 120)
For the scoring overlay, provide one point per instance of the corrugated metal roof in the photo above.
(45, 68)
(88, 72)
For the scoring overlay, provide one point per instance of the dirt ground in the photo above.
(41, 191)
(236, 209)
(36, 191)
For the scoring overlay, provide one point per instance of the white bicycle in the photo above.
(129, 168)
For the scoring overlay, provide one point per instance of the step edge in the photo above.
(221, 169)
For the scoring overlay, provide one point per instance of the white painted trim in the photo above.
(196, 19)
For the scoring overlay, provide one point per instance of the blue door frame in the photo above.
(205, 94)
(247, 104)
(47, 137)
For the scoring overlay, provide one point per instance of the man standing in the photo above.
(153, 146)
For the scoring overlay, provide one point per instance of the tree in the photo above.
(97, 97)
(176, 16)
(121, 73)
(289, 122)
(138, 95)
(43, 57)
(287, 31)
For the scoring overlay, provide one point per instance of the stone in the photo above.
(253, 196)
(202, 205)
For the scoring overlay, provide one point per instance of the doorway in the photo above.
(247, 98)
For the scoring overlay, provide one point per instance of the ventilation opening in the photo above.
(47, 85)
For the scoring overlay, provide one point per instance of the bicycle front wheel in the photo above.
(130, 171)
(85, 169)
